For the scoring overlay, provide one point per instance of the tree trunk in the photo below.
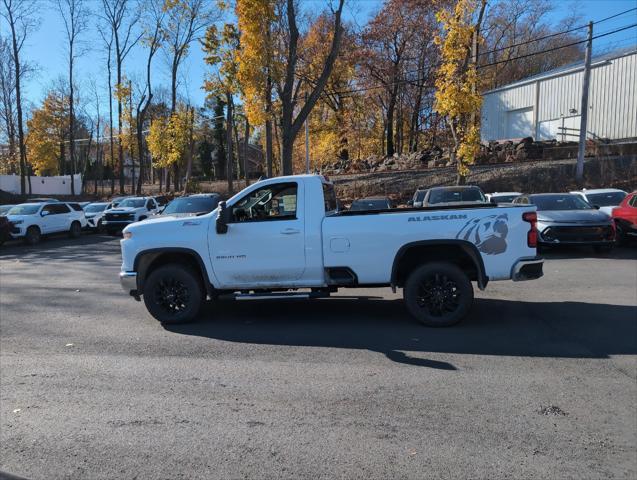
(191, 149)
(390, 123)
(229, 166)
(268, 127)
(18, 100)
(71, 121)
(246, 144)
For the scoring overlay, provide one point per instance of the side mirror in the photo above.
(410, 203)
(44, 213)
(596, 207)
(223, 216)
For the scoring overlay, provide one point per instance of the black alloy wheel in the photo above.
(438, 294)
(173, 294)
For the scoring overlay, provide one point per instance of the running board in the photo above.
(279, 295)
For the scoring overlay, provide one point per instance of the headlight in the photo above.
(17, 222)
(127, 235)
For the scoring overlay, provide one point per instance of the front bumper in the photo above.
(128, 280)
(570, 234)
(527, 269)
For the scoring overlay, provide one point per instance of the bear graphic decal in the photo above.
(489, 233)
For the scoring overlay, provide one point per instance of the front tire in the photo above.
(33, 235)
(173, 294)
(76, 230)
(438, 294)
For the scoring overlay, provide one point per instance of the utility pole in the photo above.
(579, 172)
(307, 143)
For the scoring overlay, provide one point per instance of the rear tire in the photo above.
(438, 294)
(33, 235)
(173, 294)
(76, 230)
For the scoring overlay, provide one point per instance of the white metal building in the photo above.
(546, 106)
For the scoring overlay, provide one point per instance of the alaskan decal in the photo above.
(489, 233)
(427, 218)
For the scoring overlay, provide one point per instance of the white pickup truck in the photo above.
(284, 237)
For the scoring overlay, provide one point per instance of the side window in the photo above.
(273, 202)
(150, 205)
(76, 206)
(49, 209)
(60, 208)
(633, 201)
(329, 198)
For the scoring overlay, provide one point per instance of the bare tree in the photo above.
(153, 21)
(186, 21)
(121, 19)
(7, 100)
(74, 15)
(21, 16)
(288, 90)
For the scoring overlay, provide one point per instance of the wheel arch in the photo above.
(460, 252)
(148, 260)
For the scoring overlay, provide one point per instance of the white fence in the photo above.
(60, 185)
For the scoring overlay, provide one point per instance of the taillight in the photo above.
(531, 236)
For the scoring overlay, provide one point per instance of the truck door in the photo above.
(265, 242)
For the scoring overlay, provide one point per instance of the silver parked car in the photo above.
(566, 219)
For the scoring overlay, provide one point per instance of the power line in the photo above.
(557, 33)
(558, 47)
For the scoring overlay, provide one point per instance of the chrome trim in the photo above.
(515, 271)
(128, 281)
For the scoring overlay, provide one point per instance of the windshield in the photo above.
(559, 202)
(191, 205)
(132, 202)
(609, 199)
(24, 210)
(95, 207)
(370, 205)
(451, 195)
(5, 208)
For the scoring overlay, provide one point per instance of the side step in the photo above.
(279, 295)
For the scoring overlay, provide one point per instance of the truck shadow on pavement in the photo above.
(494, 327)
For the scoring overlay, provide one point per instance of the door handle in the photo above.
(290, 231)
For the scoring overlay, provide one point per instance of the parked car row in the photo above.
(599, 217)
(30, 221)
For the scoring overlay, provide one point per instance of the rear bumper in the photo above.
(527, 269)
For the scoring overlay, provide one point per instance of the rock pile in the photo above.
(509, 151)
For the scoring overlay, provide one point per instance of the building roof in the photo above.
(596, 60)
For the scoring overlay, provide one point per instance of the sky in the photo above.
(45, 48)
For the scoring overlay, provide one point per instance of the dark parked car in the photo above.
(467, 194)
(5, 229)
(191, 205)
(566, 219)
(371, 204)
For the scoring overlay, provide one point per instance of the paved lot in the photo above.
(540, 382)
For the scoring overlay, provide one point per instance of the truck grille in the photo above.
(119, 217)
(579, 233)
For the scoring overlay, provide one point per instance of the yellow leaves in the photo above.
(457, 80)
(47, 128)
(169, 138)
(122, 91)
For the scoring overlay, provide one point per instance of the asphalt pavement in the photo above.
(539, 382)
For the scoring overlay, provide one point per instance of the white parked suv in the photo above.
(32, 220)
(130, 210)
(94, 213)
